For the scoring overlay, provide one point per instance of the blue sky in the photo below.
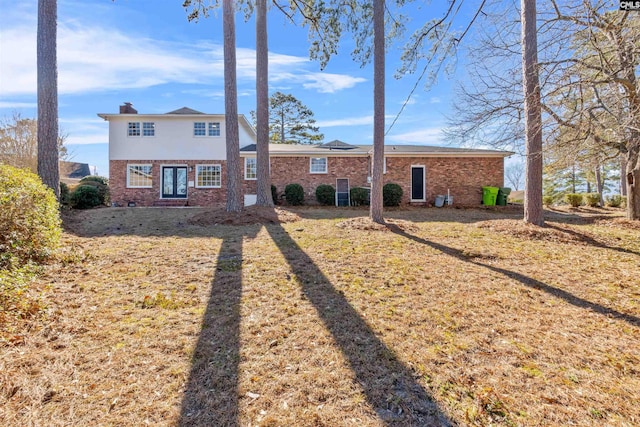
(147, 53)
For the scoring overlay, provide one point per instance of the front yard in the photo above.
(446, 317)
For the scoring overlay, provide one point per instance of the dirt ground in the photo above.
(317, 317)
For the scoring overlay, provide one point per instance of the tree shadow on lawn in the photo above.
(525, 280)
(590, 240)
(388, 384)
(211, 393)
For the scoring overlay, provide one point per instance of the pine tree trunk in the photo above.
(533, 211)
(48, 95)
(623, 175)
(234, 189)
(599, 185)
(376, 202)
(633, 178)
(263, 182)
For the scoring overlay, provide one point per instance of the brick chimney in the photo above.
(127, 108)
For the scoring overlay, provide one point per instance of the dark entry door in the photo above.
(342, 192)
(417, 183)
(174, 182)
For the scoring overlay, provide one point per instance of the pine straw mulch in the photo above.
(520, 229)
(249, 215)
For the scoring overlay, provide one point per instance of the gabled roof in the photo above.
(184, 110)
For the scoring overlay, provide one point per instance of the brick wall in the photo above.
(295, 170)
(463, 176)
(122, 195)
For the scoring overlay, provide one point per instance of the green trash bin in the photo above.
(489, 195)
(503, 196)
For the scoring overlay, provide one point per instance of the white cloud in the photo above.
(347, 121)
(426, 136)
(83, 131)
(435, 100)
(92, 58)
(17, 105)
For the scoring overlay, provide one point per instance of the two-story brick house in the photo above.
(173, 159)
(179, 159)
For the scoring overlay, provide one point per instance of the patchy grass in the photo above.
(317, 317)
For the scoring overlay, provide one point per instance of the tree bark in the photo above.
(533, 211)
(599, 185)
(623, 175)
(263, 182)
(234, 189)
(376, 201)
(633, 178)
(48, 95)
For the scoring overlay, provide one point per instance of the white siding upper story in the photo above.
(173, 137)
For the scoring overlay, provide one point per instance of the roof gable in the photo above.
(184, 110)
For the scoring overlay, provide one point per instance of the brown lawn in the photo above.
(315, 317)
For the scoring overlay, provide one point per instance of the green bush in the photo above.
(95, 178)
(624, 202)
(614, 201)
(29, 218)
(359, 196)
(85, 197)
(64, 194)
(294, 194)
(274, 194)
(573, 199)
(101, 184)
(592, 199)
(391, 194)
(326, 195)
(547, 200)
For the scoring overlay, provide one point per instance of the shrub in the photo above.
(95, 178)
(274, 194)
(624, 202)
(85, 197)
(101, 184)
(592, 199)
(64, 194)
(573, 199)
(614, 201)
(547, 200)
(391, 194)
(326, 194)
(359, 196)
(294, 194)
(29, 218)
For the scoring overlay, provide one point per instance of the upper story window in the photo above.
(250, 168)
(199, 129)
(214, 128)
(148, 129)
(133, 129)
(318, 165)
(208, 176)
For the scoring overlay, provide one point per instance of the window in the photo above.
(133, 129)
(318, 165)
(199, 129)
(208, 176)
(139, 176)
(250, 168)
(214, 128)
(148, 129)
